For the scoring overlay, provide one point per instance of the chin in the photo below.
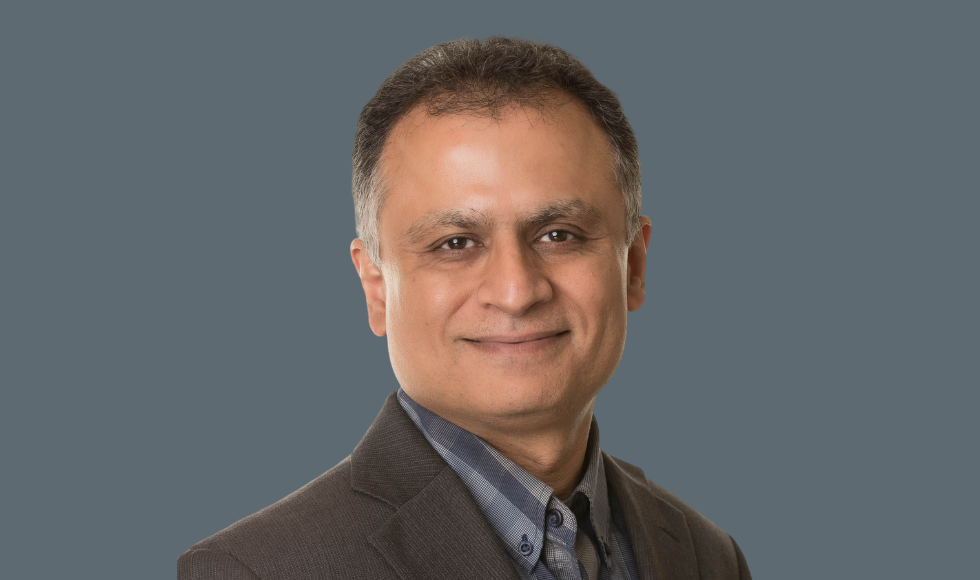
(520, 395)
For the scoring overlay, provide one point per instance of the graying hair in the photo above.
(485, 78)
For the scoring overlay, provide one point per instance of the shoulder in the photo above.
(292, 536)
(697, 523)
(715, 550)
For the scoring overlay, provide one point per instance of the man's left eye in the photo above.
(557, 236)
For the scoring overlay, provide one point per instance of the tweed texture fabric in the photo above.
(541, 533)
(394, 509)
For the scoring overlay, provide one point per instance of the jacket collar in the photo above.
(395, 464)
(661, 541)
(513, 500)
(424, 538)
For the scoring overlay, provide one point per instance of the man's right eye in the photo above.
(457, 243)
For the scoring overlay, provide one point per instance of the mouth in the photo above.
(517, 344)
(518, 338)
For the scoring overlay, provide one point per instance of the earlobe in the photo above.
(636, 262)
(372, 282)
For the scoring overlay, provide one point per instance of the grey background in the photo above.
(184, 340)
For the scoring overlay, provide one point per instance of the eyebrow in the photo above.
(563, 209)
(469, 219)
(473, 220)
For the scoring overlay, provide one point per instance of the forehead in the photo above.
(565, 127)
(518, 161)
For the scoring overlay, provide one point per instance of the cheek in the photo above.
(598, 294)
(423, 304)
(444, 298)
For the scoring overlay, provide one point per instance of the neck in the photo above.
(552, 450)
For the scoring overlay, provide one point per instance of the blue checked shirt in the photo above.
(583, 538)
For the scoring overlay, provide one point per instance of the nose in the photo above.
(514, 280)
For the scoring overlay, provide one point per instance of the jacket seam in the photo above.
(230, 555)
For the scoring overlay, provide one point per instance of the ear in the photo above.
(636, 264)
(373, 283)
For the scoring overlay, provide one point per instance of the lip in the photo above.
(521, 346)
(517, 338)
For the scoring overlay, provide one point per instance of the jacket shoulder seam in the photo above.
(225, 553)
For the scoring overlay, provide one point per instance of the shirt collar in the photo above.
(513, 500)
(593, 486)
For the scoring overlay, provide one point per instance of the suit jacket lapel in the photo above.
(441, 533)
(438, 530)
(658, 531)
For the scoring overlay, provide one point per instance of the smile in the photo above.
(518, 344)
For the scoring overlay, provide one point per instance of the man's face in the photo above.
(506, 272)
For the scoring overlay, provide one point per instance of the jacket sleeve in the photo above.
(207, 564)
(743, 567)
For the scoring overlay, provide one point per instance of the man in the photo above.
(497, 194)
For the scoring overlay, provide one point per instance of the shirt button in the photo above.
(555, 518)
(525, 547)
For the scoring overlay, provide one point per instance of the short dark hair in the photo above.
(484, 77)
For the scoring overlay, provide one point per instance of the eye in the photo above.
(557, 236)
(457, 243)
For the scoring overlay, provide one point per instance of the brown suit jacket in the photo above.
(394, 509)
